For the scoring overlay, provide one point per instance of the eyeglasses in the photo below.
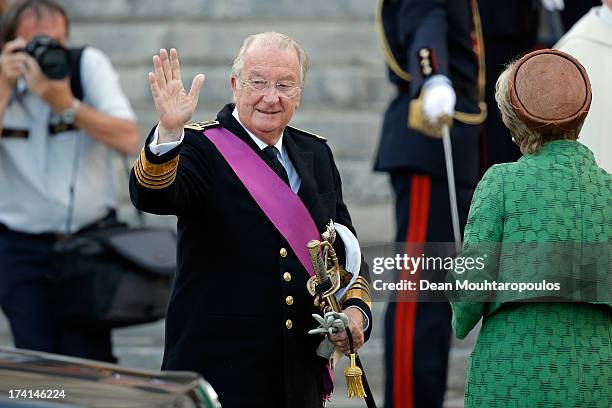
(285, 89)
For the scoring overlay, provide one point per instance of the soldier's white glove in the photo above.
(438, 99)
(331, 323)
(553, 5)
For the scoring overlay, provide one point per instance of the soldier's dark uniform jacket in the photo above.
(422, 38)
(239, 312)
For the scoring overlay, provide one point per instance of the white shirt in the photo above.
(36, 172)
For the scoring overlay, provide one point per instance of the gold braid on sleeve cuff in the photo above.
(155, 176)
(359, 290)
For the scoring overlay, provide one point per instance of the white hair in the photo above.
(272, 40)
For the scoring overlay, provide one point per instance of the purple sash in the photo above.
(280, 204)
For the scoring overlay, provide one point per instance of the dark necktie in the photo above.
(272, 153)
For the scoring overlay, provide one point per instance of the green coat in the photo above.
(558, 198)
(543, 354)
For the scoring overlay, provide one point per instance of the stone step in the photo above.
(217, 42)
(206, 10)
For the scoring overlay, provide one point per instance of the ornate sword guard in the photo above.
(321, 261)
(333, 274)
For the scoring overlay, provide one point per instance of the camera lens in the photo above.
(55, 63)
(54, 60)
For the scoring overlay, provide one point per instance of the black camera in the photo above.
(53, 59)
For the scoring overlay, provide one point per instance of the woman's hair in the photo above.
(528, 140)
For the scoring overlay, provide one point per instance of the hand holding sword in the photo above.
(433, 116)
(333, 324)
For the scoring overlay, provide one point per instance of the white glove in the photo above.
(439, 99)
(326, 348)
(331, 323)
(553, 5)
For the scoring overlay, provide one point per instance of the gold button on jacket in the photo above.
(289, 324)
(283, 252)
(289, 300)
(287, 277)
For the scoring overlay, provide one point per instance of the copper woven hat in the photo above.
(550, 91)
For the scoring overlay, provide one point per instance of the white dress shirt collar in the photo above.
(260, 143)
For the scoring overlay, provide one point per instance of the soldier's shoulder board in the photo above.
(201, 126)
(306, 133)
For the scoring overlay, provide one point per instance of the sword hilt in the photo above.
(324, 284)
(323, 281)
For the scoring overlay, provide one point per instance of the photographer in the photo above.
(57, 144)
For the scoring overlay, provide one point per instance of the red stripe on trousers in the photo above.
(405, 312)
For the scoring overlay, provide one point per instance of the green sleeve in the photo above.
(483, 233)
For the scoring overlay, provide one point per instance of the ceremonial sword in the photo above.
(324, 285)
(452, 191)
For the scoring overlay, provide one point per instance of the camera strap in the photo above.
(77, 91)
(73, 177)
(75, 72)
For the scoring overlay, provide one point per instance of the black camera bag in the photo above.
(114, 276)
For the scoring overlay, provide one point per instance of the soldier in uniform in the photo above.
(240, 313)
(510, 28)
(434, 53)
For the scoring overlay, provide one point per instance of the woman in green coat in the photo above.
(544, 220)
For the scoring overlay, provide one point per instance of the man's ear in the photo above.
(234, 84)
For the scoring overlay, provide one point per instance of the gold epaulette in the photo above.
(360, 289)
(152, 175)
(307, 133)
(200, 126)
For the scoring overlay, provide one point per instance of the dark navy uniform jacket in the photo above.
(229, 316)
(422, 38)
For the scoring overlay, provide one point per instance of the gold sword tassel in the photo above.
(354, 383)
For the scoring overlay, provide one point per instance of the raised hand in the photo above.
(173, 104)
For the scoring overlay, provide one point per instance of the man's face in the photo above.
(51, 24)
(265, 113)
